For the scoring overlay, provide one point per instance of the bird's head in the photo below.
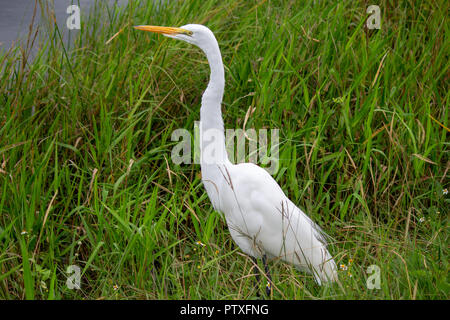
(196, 34)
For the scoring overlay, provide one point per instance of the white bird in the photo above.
(261, 218)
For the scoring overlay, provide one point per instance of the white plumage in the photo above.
(261, 219)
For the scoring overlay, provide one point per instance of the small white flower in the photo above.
(200, 243)
(445, 191)
(421, 220)
(24, 232)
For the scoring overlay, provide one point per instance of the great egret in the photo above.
(261, 219)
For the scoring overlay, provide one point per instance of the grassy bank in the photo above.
(86, 177)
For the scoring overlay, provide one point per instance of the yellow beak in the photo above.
(164, 30)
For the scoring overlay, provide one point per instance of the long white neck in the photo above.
(213, 149)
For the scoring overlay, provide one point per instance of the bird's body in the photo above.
(263, 221)
(261, 218)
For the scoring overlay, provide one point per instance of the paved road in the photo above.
(15, 17)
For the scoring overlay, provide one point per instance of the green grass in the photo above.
(87, 179)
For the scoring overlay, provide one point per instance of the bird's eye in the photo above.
(188, 33)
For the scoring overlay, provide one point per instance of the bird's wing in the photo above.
(255, 183)
(273, 222)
